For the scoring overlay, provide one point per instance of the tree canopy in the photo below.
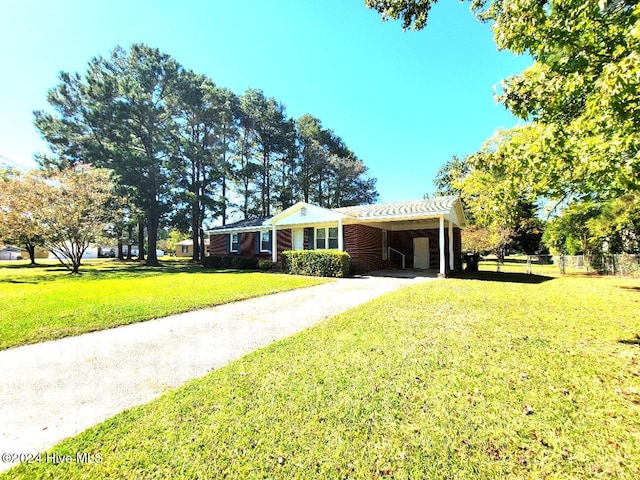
(20, 199)
(64, 210)
(580, 95)
(185, 150)
(580, 145)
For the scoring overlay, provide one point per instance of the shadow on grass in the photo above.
(632, 289)
(504, 277)
(15, 266)
(119, 270)
(632, 341)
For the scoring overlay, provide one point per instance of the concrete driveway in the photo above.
(53, 390)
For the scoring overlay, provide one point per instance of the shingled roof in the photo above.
(242, 224)
(427, 206)
(304, 213)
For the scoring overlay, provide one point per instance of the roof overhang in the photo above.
(415, 220)
(254, 228)
(303, 213)
(189, 242)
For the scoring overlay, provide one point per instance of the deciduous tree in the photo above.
(580, 94)
(78, 208)
(20, 201)
(68, 209)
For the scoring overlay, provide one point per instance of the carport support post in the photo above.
(452, 264)
(274, 244)
(442, 273)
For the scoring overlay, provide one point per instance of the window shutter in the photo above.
(227, 247)
(312, 242)
(257, 242)
(271, 241)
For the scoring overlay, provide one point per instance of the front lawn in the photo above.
(46, 303)
(452, 379)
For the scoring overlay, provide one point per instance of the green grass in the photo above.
(518, 264)
(47, 303)
(486, 378)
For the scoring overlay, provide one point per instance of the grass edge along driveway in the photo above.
(41, 304)
(452, 379)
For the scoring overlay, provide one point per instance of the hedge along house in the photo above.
(419, 234)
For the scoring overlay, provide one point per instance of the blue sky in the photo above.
(404, 102)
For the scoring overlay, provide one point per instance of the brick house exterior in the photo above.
(420, 234)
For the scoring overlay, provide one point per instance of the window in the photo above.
(327, 238)
(333, 238)
(235, 242)
(321, 238)
(185, 248)
(265, 243)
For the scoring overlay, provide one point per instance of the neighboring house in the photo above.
(91, 252)
(134, 251)
(421, 234)
(13, 253)
(185, 248)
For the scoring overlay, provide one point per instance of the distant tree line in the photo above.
(184, 150)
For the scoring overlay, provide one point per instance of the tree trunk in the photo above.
(152, 235)
(195, 230)
(120, 245)
(224, 201)
(31, 249)
(129, 240)
(76, 250)
(141, 240)
(203, 252)
(75, 267)
(266, 206)
(245, 205)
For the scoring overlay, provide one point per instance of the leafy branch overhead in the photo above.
(580, 95)
(580, 146)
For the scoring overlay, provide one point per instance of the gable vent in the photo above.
(303, 212)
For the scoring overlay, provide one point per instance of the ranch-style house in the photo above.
(419, 234)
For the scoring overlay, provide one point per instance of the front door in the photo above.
(421, 252)
(297, 240)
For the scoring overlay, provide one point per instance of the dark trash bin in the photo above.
(472, 260)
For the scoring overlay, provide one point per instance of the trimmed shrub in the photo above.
(244, 263)
(230, 261)
(317, 263)
(265, 265)
(212, 261)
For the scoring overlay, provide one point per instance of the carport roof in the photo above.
(397, 212)
(427, 206)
